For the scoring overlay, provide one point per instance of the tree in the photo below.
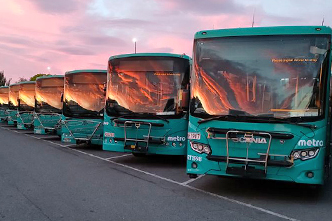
(33, 78)
(3, 79)
(21, 79)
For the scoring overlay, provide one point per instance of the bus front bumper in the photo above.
(300, 171)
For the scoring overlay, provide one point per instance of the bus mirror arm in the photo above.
(184, 99)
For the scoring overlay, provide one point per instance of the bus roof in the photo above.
(27, 82)
(49, 76)
(277, 30)
(84, 71)
(150, 55)
(15, 84)
(4, 87)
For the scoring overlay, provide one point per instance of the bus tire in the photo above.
(139, 154)
(192, 176)
(327, 168)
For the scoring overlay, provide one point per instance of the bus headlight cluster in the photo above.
(305, 154)
(200, 147)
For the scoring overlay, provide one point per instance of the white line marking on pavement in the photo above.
(243, 204)
(193, 188)
(184, 184)
(109, 158)
(38, 138)
(192, 180)
(61, 145)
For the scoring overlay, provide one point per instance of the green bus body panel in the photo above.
(297, 172)
(47, 121)
(82, 129)
(25, 121)
(12, 117)
(173, 133)
(256, 31)
(3, 114)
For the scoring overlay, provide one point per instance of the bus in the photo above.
(83, 107)
(4, 93)
(13, 104)
(260, 104)
(26, 105)
(147, 104)
(48, 104)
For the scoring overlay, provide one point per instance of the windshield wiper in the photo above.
(221, 117)
(144, 115)
(255, 119)
(159, 117)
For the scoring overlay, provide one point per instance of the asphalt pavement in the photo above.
(44, 179)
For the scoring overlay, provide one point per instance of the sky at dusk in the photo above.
(79, 34)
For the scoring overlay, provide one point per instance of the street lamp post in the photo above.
(135, 40)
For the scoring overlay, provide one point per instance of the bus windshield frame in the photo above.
(26, 94)
(146, 85)
(48, 95)
(13, 97)
(4, 97)
(276, 76)
(84, 94)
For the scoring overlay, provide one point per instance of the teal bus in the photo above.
(26, 105)
(13, 104)
(83, 107)
(260, 104)
(48, 104)
(4, 95)
(147, 104)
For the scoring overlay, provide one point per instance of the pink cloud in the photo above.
(67, 34)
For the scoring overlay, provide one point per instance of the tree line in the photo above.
(6, 82)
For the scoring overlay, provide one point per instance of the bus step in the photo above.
(243, 171)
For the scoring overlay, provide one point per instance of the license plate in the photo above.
(194, 136)
(66, 140)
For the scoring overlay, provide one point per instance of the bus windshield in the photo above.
(146, 85)
(4, 96)
(261, 76)
(13, 97)
(27, 97)
(48, 95)
(84, 94)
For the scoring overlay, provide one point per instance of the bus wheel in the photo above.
(327, 171)
(192, 176)
(139, 154)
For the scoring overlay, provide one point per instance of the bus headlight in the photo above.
(305, 154)
(200, 147)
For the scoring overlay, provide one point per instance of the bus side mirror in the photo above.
(183, 99)
(61, 97)
(105, 89)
